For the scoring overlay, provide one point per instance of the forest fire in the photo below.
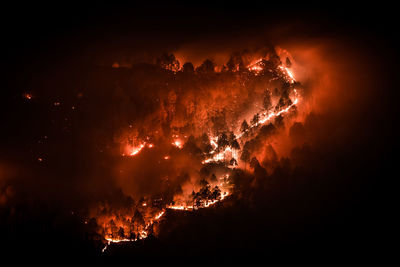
(206, 133)
(219, 145)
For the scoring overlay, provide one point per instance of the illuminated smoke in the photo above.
(223, 146)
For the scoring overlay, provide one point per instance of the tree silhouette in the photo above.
(245, 155)
(288, 62)
(193, 195)
(216, 193)
(267, 102)
(197, 200)
(132, 236)
(244, 127)
(113, 228)
(222, 142)
(255, 119)
(284, 100)
(254, 163)
(206, 67)
(168, 62)
(203, 182)
(205, 144)
(191, 147)
(121, 232)
(235, 63)
(138, 219)
(213, 178)
(233, 141)
(233, 162)
(188, 67)
(279, 121)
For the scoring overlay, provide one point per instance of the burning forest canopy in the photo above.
(190, 150)
(184, 131)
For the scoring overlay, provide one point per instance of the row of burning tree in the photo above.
(207, 195)
(137, 221)
(238, 62)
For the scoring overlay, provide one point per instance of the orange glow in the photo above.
(222, 184)
(28, 96)
(222, 144)
(288, 73)
(255, 66)
(132, 151)
(178, 144)
(141, 232)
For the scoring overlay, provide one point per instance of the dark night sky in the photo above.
(36, 29)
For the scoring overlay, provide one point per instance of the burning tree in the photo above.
(244, 127)
(255, 119)
(235, 63)
(185, 128)
(222, 142)
(207, 67)
(168, 62)
(206, 195)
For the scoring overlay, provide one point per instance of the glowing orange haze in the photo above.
(124, 220)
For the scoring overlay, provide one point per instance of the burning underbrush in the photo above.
(198, 126)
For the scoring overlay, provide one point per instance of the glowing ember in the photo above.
(136, 150)
(178, 143)
(255, 66)
(27, 96)
(288, 73)
(159, 215)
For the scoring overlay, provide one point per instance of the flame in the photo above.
(289, 74)
(134, 150)
(159, 215)
(179, 207)
(223, 185)
(178, 143)
(215, 155)
(264, 118)
(255, 67)
(27, 96)
(142, 234)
